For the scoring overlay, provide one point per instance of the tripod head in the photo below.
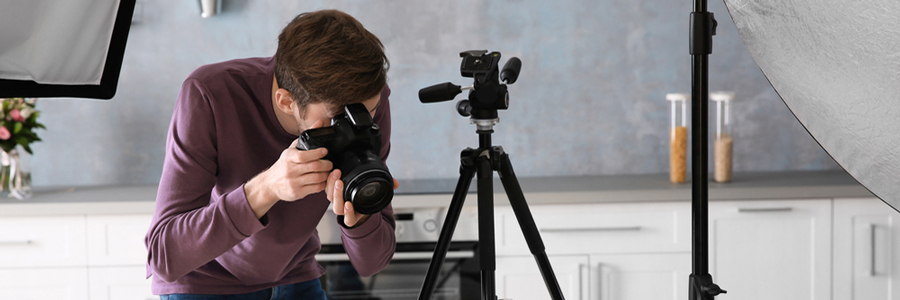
(487, 94)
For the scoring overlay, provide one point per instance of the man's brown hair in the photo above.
(328, 56)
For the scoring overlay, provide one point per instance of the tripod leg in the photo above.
(526, 222)
(486, 248)
(467, 171)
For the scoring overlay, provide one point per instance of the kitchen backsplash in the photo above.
(590, 99)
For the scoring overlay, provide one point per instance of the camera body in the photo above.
(353, 141)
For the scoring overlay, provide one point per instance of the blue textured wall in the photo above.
(590, 99)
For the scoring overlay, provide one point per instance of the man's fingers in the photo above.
(337, 202)
(350, 218)
(311, 155)
(313, 178)
(396, 184)
(329, 187)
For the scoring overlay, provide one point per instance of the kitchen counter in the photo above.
(437, 192)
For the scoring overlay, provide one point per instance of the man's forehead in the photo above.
(371, 104)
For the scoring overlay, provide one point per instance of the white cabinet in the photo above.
(119, 283)
(519, 278)
(758, 250)
(117, 240)
(599, 251)
(117, 257)
(639, 276)
(597, 277)
(43, 283)
(42, 242)
(74, 257)
(771, 249)
(866, 250)
(608, 228)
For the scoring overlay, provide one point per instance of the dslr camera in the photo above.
(353, 141)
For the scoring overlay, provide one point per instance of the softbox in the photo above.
(62, 48)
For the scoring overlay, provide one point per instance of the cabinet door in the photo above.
(866, 250)
(44, 283)
(640, 276)
(519, 278)
(117, 240)
(771, 249)
(119, 283)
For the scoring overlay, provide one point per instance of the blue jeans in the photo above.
(308, 290)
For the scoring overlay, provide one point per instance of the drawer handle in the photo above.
(622, 228)
(16, 243)
(764, 209)
(872, 229)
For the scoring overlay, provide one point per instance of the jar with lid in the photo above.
(678, 136)
(723, 135)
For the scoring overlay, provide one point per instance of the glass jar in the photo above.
(723, 138)
(678, 136)
(15, 173)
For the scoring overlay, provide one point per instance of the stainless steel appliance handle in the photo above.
(398, 255)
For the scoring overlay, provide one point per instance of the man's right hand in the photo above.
(294, 176)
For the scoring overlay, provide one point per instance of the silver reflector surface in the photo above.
(836, 64)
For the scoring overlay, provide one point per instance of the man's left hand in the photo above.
(334, 191)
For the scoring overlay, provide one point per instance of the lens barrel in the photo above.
(367, 182)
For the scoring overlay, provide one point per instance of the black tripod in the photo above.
(703, 27)
(487, 96)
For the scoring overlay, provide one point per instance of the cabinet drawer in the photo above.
(42, 241)
(117, 240)
(600, 228)
(44, 283)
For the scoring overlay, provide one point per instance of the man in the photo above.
(238, 204)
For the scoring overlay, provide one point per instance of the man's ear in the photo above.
(284, 101)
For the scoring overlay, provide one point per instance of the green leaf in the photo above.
(27, 149)
(21, 140)
(17, 127)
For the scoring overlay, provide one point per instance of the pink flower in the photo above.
(4, 133)
(16, 115)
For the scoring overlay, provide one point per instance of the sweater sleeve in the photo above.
(371, 245)
(192, 226)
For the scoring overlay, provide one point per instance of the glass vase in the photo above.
(15, 174)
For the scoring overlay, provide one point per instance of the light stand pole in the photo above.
(703, 27)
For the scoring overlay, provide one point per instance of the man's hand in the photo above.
(295, 175)
(335, 194)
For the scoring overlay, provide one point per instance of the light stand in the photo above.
(703, 27)
(486, 97)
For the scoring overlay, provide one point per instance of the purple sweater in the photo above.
(204, 238)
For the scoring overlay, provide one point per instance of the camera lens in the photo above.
(370, 191)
